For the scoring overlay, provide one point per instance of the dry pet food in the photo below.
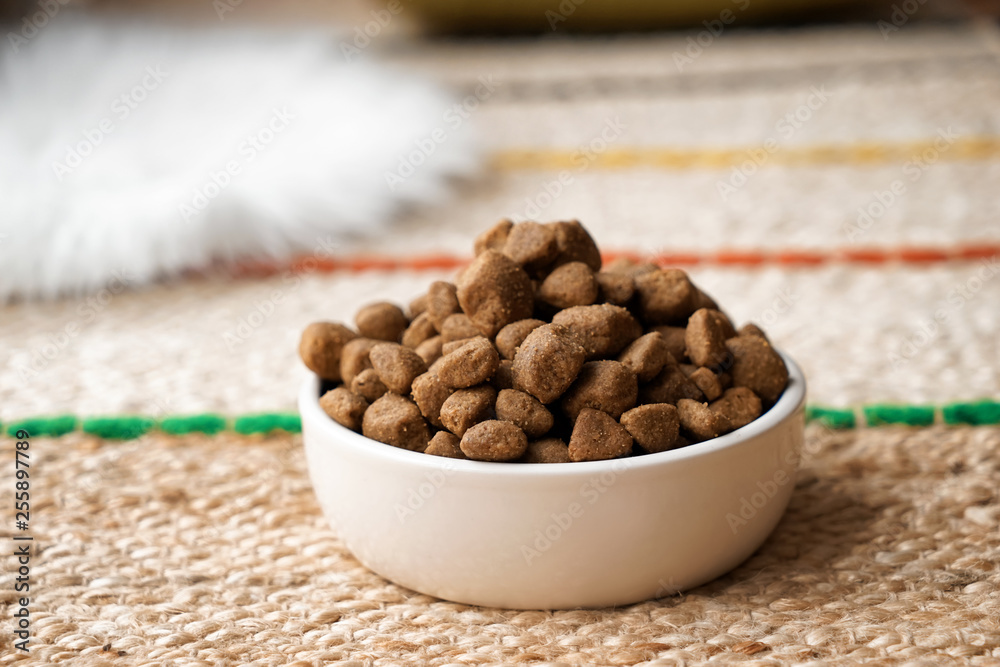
(539, 353)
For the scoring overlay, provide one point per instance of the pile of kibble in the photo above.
(538, 354)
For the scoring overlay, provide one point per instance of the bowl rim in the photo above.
(791, 399)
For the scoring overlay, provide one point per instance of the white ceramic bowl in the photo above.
(562, 535)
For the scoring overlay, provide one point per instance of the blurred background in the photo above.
(187, 184)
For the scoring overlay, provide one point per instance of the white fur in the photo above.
(321, 179)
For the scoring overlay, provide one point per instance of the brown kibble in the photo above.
(493, 238)
(653, 426)
(739, 406)
(472, 364)
(445, 444)
(531, 245)
(431, 349)
(354, 358)
(397, 366)
(442, 301)
(321, 346)
(450, 347)
(575, 245)
(699, 420)
(597, 437)
(703, 300)
(494, 292)
(420, 329)
(547, 362)
(616, 288)
(524, 410)
(757, 366)
(504, 377)
(603, 329)
(645, 356)
(494, 440)
(467, 407)
(417, 306)
(572, 284)
(396, 421)
(665, 296)
(602, 385)
(430, 393)
(368, 385)
(705, 338)
(707, 381)
(381, 321)
(458, 327)
(511, 336)
(670, 386)
(344, 407)
(674, 337)
(549, 450)
(751, 329)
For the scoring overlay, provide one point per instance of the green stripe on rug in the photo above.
(267, 422)
(976, 413)
(44, 426)
(207, 423)
(881, 414)
(831, 417)
(118, 428)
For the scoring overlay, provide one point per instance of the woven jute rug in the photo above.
(212, 551)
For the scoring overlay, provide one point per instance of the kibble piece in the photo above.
(368, 385)
(705, 338)
(450, 347)
(321, 346)
(445, 444)
(654, 426)
(751, 329)
(547, 362)
(420, 329)
(603, 329)
(417, 306)
(493, 238)
(354, 358)
(597, 437)
(524, 410)
(674, 337)
(458, 327)
(699, 420)
(430, 393)
(494, 292)
(431, 349)
(344, 407)
(549, 450)
(757, 366)
(575, 245)
(670, 386)
(442, 301)
(703, 300)
(494, 440)
(531, 245)
(602, 385)
(396, 421)
(504, 377)
(511, 336)
(381, 321)
(645, 356)
(467, 407)
(472, 364)
(739, 406)
(665, 296)
(707, 381)
(397, 366)
(616, 288)
(572, 284)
